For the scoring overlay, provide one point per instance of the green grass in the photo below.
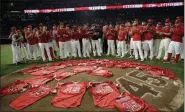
(7, 66)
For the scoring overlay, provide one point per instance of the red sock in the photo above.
(177, 57)
(169, 56)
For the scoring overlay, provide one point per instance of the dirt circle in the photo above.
(161, 92)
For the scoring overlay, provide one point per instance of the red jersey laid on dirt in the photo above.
(69, 94)
(100, 71)
(177, 34)
(136, 33)
(111, 34)
(80, 69)
(129, 103)
(122, 34)
(60, 74)
(16, 87)
(44, 37)
(149, 34)
(39, 80)
(42, 72)
(104, 94)
(32, 69)
(30, 97)
(55, 67)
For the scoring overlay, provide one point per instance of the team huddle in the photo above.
(142, 41)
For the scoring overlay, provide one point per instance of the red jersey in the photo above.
(105, 33)
(69, 94)
(166, 29)
(32, 69)
(104, 94)
(75, 35)
(30, 97)
(39, 80)
(84, 33)
(149, 34)
(130, 103)
(177, 34)
(157, 36)
(31, 40)
(100, 71)
(61, 35)
(136, 33)
(68, 36)
(111, 34)
(122, 34)
(80, 69)
(60, 74)
(42, 72)
(44, 37)
(16, 87)
(56, 67)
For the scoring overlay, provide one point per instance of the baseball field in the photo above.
(8, 77)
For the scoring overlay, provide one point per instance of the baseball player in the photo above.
(157, 39)
(30, 37)
(53, 35)
(42, 35)
(105, 46)
(85, 41)
(61, 32)
(136, 35)
(24, 50)
(165, 39)
(131, 40)
(75, 42)
(17, 38)
(148, 35)
(111, 35)
(176, 41)
(97, 33)
(121, 40)
(68, 41)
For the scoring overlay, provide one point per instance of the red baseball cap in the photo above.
(159, 23)
(13, 28)
(41, 25)
(167, 20)
(150, 21)
(29, 26)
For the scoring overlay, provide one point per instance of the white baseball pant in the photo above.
(156, 46)
(121, 48)
(174, 46)
(69, 48)
(37, 50)
(111, 46)
(96, 47)
(182, 49)
(32, 51)
(101, 45)
(16, 53)
(63, 50)
(76, 48)
(42, 47)
(148, 45)
(137, 46)
(131, 46)
(24, 51)
(85, 43)
(164, 44)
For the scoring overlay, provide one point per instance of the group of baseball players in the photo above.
(143, 41)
